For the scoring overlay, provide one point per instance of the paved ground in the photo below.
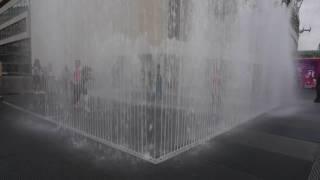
(279, 145)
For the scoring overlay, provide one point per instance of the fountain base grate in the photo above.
(315, 172)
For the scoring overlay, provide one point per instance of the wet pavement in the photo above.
(282, 144)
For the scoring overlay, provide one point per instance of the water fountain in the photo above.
(164, 75)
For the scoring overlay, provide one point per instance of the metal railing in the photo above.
(155, 117)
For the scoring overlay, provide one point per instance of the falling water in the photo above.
(164, 75)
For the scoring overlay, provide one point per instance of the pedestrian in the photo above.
(158, 84)
(37, 73)
(317, 100)
(50, 79)
(66, 79)
(77, 82)
(38, 101)
(85, 78)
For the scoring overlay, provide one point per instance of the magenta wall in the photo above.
(305, 66)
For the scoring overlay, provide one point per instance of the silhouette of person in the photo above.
(37, 72)
(317, 100)
(77, 82)
(158, 84)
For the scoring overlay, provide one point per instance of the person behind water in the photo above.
(37, 73)
(50, 79)
(66, 78)
(158, 84)
(76, 82)
(86, 76)
(317, 100)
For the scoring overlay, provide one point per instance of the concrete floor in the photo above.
(282, 144)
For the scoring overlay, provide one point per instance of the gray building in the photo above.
(15, 46)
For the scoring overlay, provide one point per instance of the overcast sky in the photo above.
(310, 16)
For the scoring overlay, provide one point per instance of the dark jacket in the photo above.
(318, 83)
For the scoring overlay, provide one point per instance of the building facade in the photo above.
(15, 51)
(15, 47)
